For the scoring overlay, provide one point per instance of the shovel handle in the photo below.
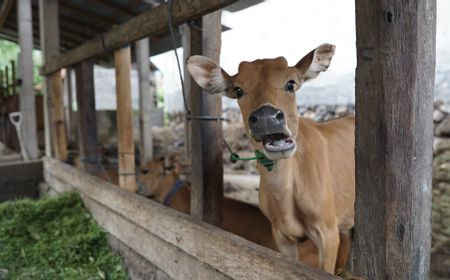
(15, 118)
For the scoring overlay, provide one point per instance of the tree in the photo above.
(10, 50)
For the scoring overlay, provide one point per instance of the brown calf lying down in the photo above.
(239, 218)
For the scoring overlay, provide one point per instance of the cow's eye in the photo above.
(290, 86)
(239, 92)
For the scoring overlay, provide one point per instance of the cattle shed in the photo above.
(394, 102)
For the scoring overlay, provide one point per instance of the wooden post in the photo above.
(49, 32)
(27, 96)
(14, 72)
(59, 124)
(191, 41)
(122, 61)
(7, 80)
(207, 140)
(394, 136)
(145, 101)
(87, 120)
(72, 123)
(2, 85)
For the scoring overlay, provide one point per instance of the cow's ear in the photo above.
(209, 76)
(318, 60)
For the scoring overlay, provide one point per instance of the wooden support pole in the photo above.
(87, 120)
(207, 140)
(122, 61)
(27, 96)
(145, 101)
(2, 84)
(59, 124)
(49, 33)
(7, 80)
(394, 137)
(191, 40)
(14, 71)
(72, 123)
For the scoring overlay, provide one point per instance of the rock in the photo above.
(440, 266)
(438, 115)
(309, 114)
(3, 273)
(441, 167)
(341, 109)
(438, 103)
(440, 145)
(321, 109)
(443, 128)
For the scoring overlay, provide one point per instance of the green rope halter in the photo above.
(259, 156)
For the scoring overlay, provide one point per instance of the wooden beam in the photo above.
(49, 33)
(178, 244)
(113, 9)
(58, 118)
(87, 120)
(146, 101)
(78, 22)
(150, 22)
(14, 74)
(108, 19)
(191, 41)
(122, 61)
(70, 34)
(72, 123)
(394, 136)
(2, 84)
(207, 140)
(7, 84)
(27, 95)
(5, 10)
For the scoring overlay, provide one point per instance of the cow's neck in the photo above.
(282, 178)
(286, 173)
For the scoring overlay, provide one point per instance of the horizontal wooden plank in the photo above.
(10, 158)
(173, 261)
(20, 180)
(151, 22)
(226, 253)
(137, 266)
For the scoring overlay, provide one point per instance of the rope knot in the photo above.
(264, 161)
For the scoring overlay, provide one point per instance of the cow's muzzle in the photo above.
(268, 125)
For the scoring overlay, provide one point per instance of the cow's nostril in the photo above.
(253, 119)
(279, 115)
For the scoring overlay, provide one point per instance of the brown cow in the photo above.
(239, 218)
(311, 190)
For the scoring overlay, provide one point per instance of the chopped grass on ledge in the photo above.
(54, 238)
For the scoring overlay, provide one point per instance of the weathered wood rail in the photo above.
(176, 243)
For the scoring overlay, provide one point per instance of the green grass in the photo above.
(54, 238)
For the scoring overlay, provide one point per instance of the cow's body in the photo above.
(311, 190)
(240, 218)
(298, 198)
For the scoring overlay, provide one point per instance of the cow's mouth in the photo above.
(277, 143)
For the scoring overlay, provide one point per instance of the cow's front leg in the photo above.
(326, 238)
(285, 245)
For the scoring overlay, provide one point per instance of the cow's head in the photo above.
(265, 91)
